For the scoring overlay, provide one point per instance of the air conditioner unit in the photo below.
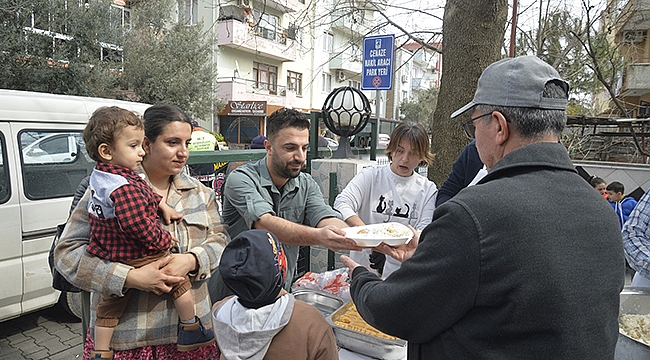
(633, 36)
(405, 78)
(340, 75)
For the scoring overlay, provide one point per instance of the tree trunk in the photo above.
(473, 33)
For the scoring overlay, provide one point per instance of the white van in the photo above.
(42, 160)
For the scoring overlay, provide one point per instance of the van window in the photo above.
(53, 163)
(4, 172)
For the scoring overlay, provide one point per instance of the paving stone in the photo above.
(64, 334)
(10, 353)
(53, 345)
(72, 353)
(43, 354)
(27, 347)
(17, 338)
(38, 334)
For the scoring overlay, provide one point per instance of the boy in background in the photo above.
(623, 205)
(262, 320)
(124, 222)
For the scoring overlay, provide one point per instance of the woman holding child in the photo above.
(149, 326)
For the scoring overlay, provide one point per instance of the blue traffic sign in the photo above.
(378, 62)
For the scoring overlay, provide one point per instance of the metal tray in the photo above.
(366, 344)
(633, 301)
(325, 303)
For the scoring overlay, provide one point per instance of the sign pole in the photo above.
(374, 128)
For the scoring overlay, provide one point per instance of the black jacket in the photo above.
(526, 264)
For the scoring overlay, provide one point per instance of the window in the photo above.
(356, 54)
(267, 25)
(327, 82)
(294, 32)
(120, 17)
(239, 129)
(328, 42)
(265, 76)
(294, 82)
(189, 15)
(405, 95)
(53, 163)
(354, 84)
(4, 172)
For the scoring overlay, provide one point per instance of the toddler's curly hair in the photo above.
(105, 125)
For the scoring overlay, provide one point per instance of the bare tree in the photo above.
(473, 35)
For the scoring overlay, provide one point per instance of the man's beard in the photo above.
(284, 171)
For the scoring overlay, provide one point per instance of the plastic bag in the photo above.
(334, 282)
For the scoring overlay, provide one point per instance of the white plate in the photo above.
(366, 236)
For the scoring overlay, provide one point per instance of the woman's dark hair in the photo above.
(595, 181)
(156, 117)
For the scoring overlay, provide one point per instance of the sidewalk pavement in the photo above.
(46, 334)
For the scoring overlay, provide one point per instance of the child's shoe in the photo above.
(193, 336)
(101, 354)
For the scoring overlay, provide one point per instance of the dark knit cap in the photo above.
(253, 265)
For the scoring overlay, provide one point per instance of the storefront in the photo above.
(241, 121)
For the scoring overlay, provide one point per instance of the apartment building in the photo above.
(272, 54)
(631, 21)
(416, 69)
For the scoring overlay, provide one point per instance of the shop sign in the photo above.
(250, 108)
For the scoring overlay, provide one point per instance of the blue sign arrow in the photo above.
(378, 62)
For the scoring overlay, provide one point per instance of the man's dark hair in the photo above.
(531, 122)
(616, 187)
(284, 118)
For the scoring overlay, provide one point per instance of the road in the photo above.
(46, 334)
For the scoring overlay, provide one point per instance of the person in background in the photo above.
(636, 240)
(262, 320)
(273, 194)
(124, 222)
(258, 142)
(148, 328)
(623, 205)
(468, 169)
(391, 193)
(202, 141)
(494, 275)
(599, 185)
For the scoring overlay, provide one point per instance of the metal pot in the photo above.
(633, 301)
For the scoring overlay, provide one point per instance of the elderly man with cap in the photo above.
(262, 320)
(514, 266)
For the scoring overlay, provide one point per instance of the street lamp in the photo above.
(345, 112)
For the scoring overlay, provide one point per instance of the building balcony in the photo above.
(635, 16)
(284, 6)
(270, 43)
(235, 88)
(346, 62)
(348, 21)
(636, 80)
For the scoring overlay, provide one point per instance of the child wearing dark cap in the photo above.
(262, 320)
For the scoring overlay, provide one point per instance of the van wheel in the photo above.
(71, 303)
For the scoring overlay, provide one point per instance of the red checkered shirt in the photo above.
(134, 231)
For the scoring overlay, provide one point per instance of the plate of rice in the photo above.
(391, 233)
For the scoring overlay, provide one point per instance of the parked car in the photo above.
(383, 140)
(53, 148)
